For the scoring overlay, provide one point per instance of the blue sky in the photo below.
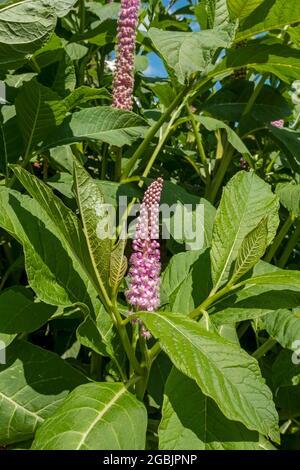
(156, 67)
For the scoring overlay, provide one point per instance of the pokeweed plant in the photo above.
(97, 354)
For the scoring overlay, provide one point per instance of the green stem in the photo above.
(118, 164)
(290, 246)
(126, 343)
(141, 386)
(279, 238)
(198, 139)
(211, 299)
(228, 154)
(264, 348)
(152, 131)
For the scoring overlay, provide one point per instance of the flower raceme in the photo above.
(145, 266)
(279, 123)
(123, 78)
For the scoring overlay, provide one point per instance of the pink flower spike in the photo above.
(279, 123)
(144, 272)
(123, 81)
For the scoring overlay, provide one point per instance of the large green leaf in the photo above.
(284, 326)
(246, 200)
(33, 382)
(285, 278)
(67, 229)
(46, 254)
(285, 371)
(11, 142)
(223, 371)
(96, 224)
(19, 312)
(217, 13)
(270, 14)
(186, 52)
(282, 61)
(289, 195)
(24, 28)
(242, 8)
(98, 416)
(114, 126)
(195, 288)
(39, 110)
(192, 421)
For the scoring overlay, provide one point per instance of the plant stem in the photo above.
(290, 246)
(126, 343)
(264, 348)
(279, 238)
(198, 139)
(118, 164)
(152, 131)
(211, 299)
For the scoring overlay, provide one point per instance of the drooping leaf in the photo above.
(113, 126)
(284, 326)
(282, 61)
(103, 416)
(19, 312)
(251, 250)
(62, 7)
(25, 27)
(39, 110)
(288, 140)
(33, 383)
(289, 195)
(212, 124)
(285, 278)
(193, 421)
(83, 94)
(186, 52)
(96, 225)
(246, 200)
(222, 370)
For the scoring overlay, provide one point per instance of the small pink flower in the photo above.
(279, 123)
(144, 273)
(123, 81)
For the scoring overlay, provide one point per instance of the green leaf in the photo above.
(242, 8)
(288, 141)
(113, 126)
(41, 381)
(217, 13)
(46, 253)
(177, 270)
(11, 142)
(19, 312)
(289, 195)
(186, 52)
(83, 94)
(195, 288)
(65, 77)
(246, 200)
(96, 225)
(118, 264)
(222, 370)
(282, 61)
(39, 110)
(251, 250)
(284, 326)
(192, 421)
(285, 372)
(212, 124)
(285, 278)
(271, 14)
(62, 7)
(25, 27)
(104, 416)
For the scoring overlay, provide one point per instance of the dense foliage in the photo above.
(214, 361)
